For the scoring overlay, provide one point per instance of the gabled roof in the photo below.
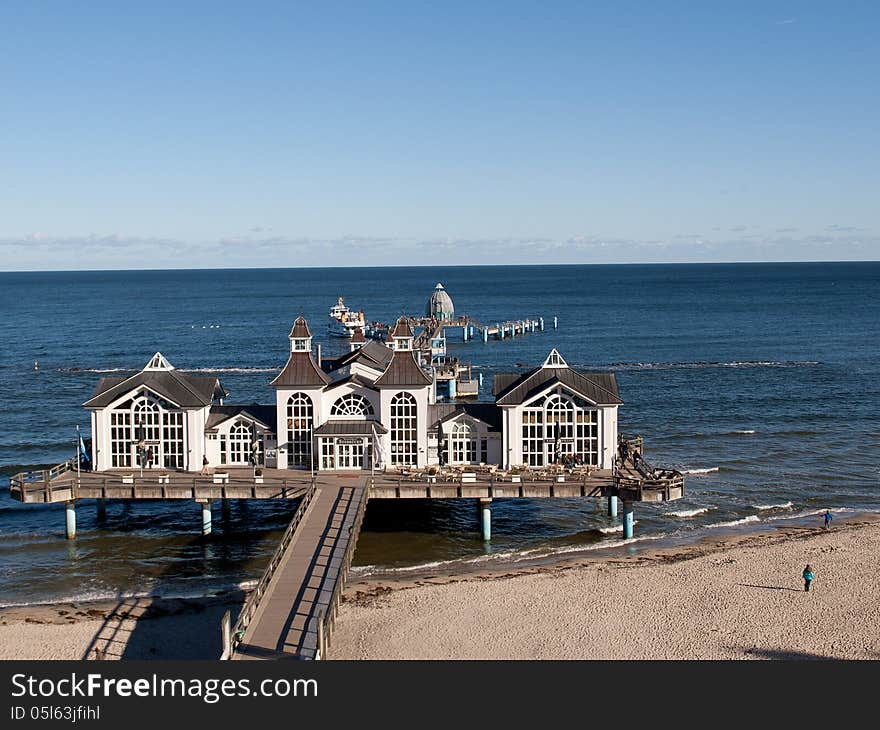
(403, 370)
(488, 413)
(300, 328)
(358, 336)
(264, 414)
(301, 369)
(373, 354)
(511, 389)
(353, 378)
(401, 329)
(182, 389)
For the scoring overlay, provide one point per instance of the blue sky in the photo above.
(156, 135)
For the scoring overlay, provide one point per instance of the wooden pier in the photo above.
(292, 611)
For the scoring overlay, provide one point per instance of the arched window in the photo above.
(464, 444)
(559, 427)
(299, 431)
(352, 405)
(146, 420)
(403, 429)
(239, 443)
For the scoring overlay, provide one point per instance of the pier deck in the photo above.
(292, 615)
(480, 483)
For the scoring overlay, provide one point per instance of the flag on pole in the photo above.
(84, 454)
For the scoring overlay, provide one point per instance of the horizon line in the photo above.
(442, 266)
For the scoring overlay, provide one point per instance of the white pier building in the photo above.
(373, 408)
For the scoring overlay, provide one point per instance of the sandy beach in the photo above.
(735, 597)
(738, 598)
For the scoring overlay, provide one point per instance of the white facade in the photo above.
(369, 409)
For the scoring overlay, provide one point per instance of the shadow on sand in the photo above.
(770, 588)
(185, 628)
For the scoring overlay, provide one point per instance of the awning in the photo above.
(350, 428)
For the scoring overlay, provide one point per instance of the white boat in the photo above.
(344, 321)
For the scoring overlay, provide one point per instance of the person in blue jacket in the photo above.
(808, 577)
(828, 518)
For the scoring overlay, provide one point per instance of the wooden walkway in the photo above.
(294, 616)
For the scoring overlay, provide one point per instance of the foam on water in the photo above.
(687, 512)
(733, 523)
(783, 505)
(706, 470)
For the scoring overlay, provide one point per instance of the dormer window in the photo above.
(300, 344)
(403, 343)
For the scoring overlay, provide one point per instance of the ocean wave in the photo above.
(733, 523)
(96, 370)
(242, 369)
(511, 557)
(714, 364)
(745, 431)
(687, 512)
(705, 470)
(813, 513)
(783, 505)
(234, 370)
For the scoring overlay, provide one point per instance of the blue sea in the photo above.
(762, 381)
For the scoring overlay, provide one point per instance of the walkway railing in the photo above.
(327, 617)
(253, 600)
(153, 484)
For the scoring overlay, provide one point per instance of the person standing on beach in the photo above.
(808, 577)
(828, 518)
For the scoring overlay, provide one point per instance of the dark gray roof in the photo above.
(183, 389)
(401, 329)
(373, 354)
(488, 413)
(601, 388)
(355, 379)
(265, 414)
(503, 380)
(301, 369)
(346, 428)
(300, 328)
(403, 370)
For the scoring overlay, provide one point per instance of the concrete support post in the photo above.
(70, 519)
(485, 334)
(612, 506)
(101, 506)
(206, 517)
(225, 510)
(555, 323)
(541, 323)
(627, 520)
(480, 375)
(471, 335)
(452, 388)
(486, 518)
(464, 333)
(500, 332)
